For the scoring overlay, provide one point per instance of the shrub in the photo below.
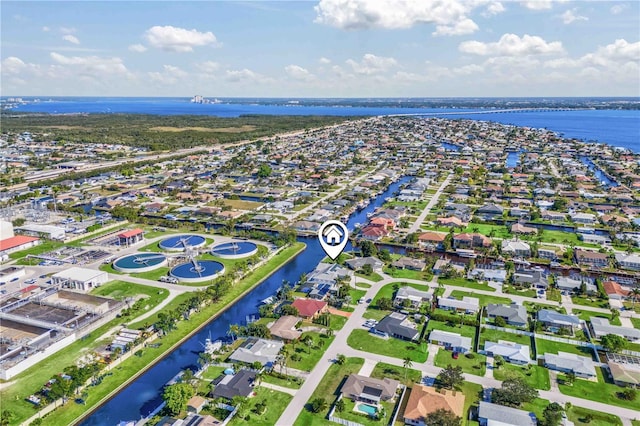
(470, 355)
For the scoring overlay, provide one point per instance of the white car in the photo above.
(30, 281)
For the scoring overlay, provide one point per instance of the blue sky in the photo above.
(326, 48)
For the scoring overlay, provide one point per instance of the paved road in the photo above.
(416, 225)
(340, 346)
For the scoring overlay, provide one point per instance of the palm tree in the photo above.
(406, 364)
(635, 295)
(233, 331)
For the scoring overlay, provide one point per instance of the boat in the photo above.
(211, 347)
(369, 215)
(269, 300)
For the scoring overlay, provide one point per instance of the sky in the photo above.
(325, 48)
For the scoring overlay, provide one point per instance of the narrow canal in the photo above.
(143, 395)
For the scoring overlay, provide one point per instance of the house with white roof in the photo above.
(467, 304)
(601, 327)
(499, 415)
(516, 248)
(581, 366)
(451, 341)
(513, 352)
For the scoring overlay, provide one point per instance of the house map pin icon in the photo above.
(333, 236)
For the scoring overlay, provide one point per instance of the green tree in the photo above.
(514, 392)
(552, 414)
(407, 363)
(341, 359)
(289, 310)
(442, 417)
(318, 404)
(385, 304)
(5, 417)
(176, 397)
(499, 322)
(340, 406)
(368, 248)
(366, 269)
(264, 171)
(613, 342)
(450, 377)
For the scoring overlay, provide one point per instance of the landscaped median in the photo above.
(133, 367)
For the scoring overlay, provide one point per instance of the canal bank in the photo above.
(258, 277)
(143, 394)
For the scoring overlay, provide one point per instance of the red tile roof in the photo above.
(16, 241)
(308, 307)
(130, 233)
(612, 287)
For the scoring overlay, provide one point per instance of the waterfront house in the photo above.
(284, 328)
(553, 216)
(425, 400)
(490, 211)
(531, 277)
(592, 258)
(414, 296)
(585, 218)
(467, 305)
(310, 308)
(469, 241)
(410, 263)
(452, 222)
(488, 274)
(493, 414)
(450, 341)
(369, 390)
(231, 386)
(513, 314)
(357, 263)
(264, 351)
(516, 248)
(581, 366)
(513, 352)
(518, 228)
(615, 290)
(433, 240)
(397, 325)
(628, 261)
(555, 320)
(573, 285)
(625, 374)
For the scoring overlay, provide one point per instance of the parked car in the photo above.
(30, 281)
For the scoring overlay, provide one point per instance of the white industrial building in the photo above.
(47, 231)
(82, 279)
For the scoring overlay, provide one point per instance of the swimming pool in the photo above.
(368, 409)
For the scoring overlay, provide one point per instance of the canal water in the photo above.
(143, 395)
(599, 174)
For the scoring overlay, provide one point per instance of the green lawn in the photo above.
(32, 379)
(472, 393)
(383, 370)
(376, 314)
(336, 322)
(363, 285)
(636, 322)
(594, 302)
(356, 295)
(635, 422)
(405, 273)
(484, 299)
(44, 247)
(365, 341)
(212, 372)
(309, 355)
(548, 346)
(496, 335)
(509, 289)
(500, 231)
(275, 402)
(121, 290)
(553, 294)
(586, 315)
(463, 330)
(288, 382)
(475, 365)
(389, 290)
(536, 406)
(578, 416)
(463, 282)
(375, 277)
(602, 391)
(329, 388)
(535, 376)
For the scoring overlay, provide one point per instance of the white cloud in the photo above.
(571, 16)
(137, 48)
(242, 75)
(71, 39)
(449, 15)
(67, 30)
(372, 64)
(512, 45)
(208, 66)
(170, 74)
(617, 9)
(468, 69)
(13, 65)
(175, 39)
(46, 29)
(92, 64)
(537, 4)
(324, 61)
(298, 73)
(494, 8)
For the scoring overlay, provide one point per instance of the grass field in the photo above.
(463, 330)
(509, 289)
(289, 382)
(578, 416)
(548, 346)
(389, 290)
(383, 370)
(475, 365)
(536, 406)
(310, 355)
(536, 376)
(375, 277)
(586, 315)
(242, 204)
(484, 299)
(328, 389)
(463, 282)
(496, 335)
(590, 301)
(275, 402)
(365, 341)
(602, 391)
(405, 273)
